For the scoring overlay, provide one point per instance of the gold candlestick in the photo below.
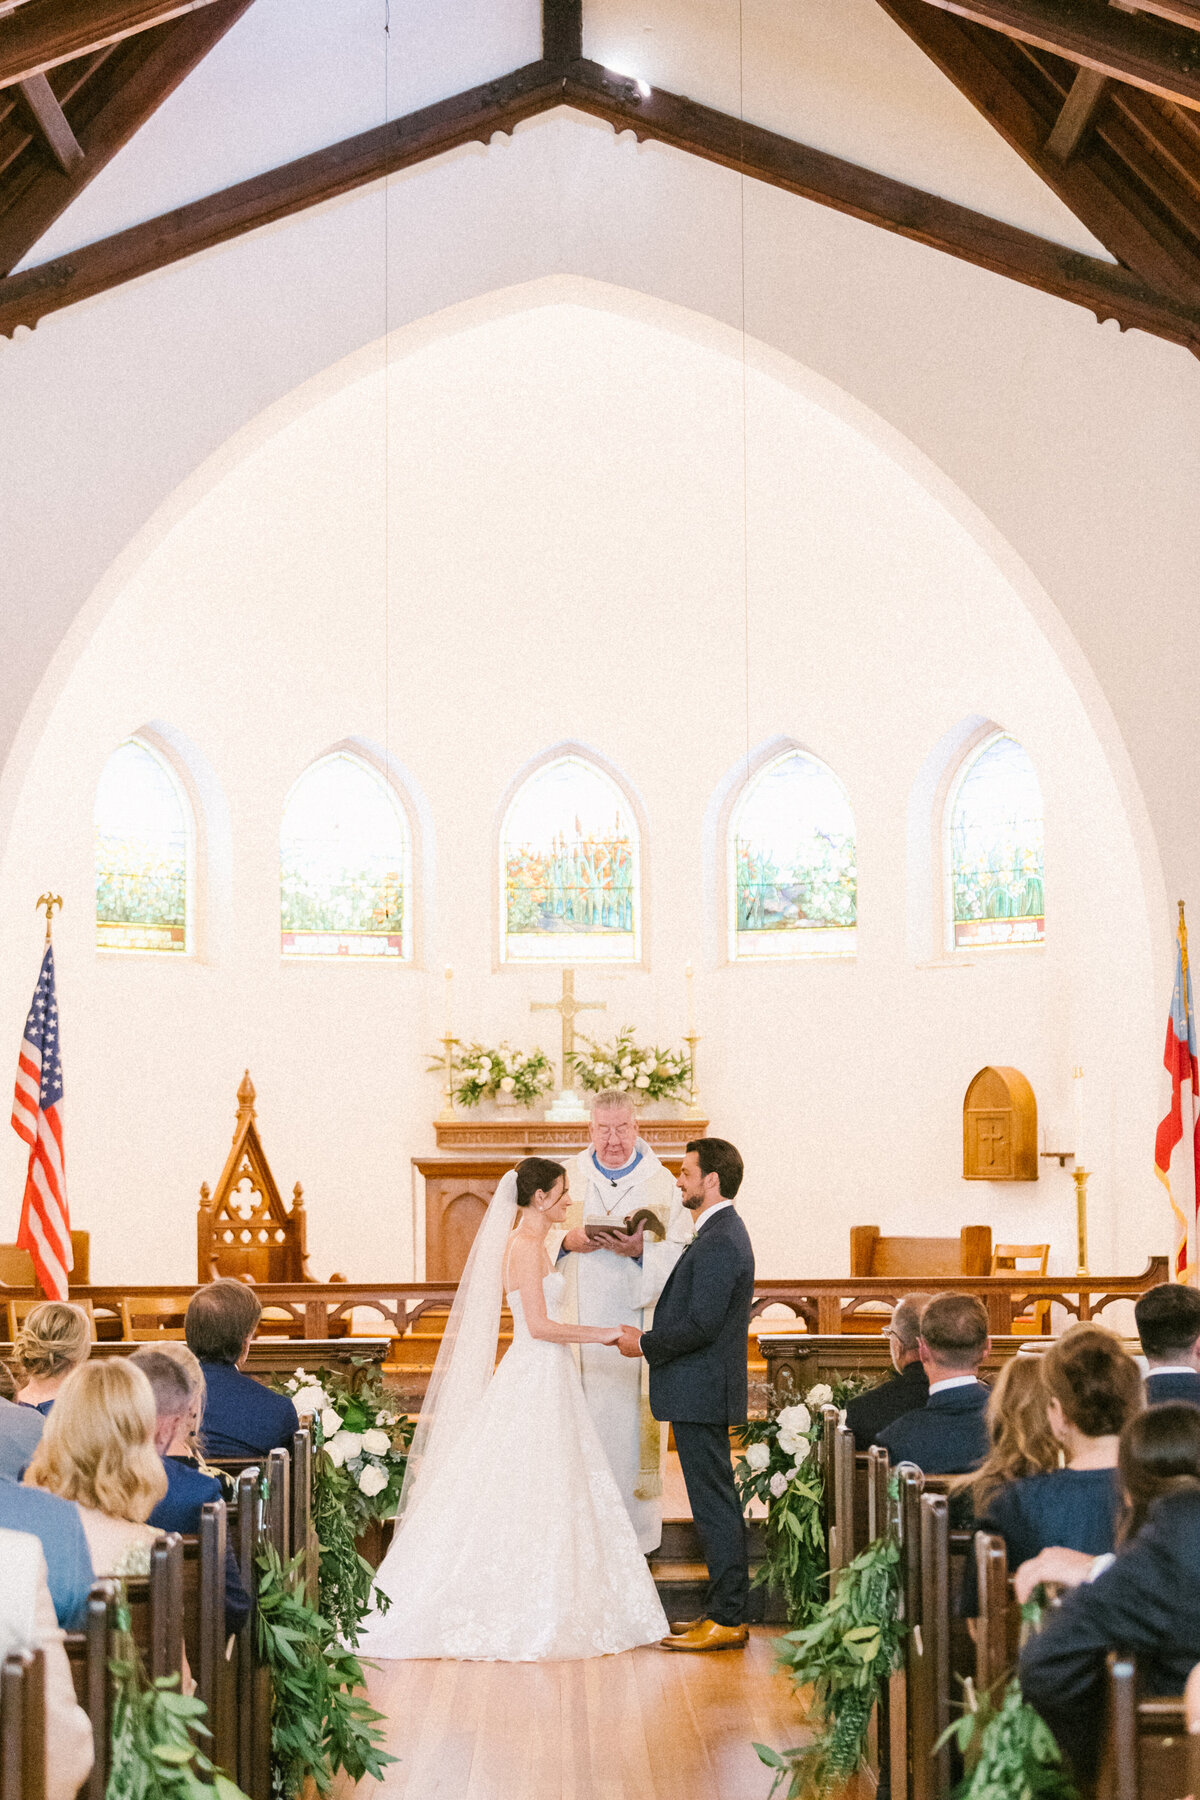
(448, 1043)
(1080, 1178)
(694, 1110)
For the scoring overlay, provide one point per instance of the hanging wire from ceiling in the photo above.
(387, 407)
(742, 322)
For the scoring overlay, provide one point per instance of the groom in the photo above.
(696, 1350)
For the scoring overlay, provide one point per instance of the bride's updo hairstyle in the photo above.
(536, 1175)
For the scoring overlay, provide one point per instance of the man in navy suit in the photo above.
(696, 1350)
(873, 1411)
(241, 1416)
(1168, 1323)
(948, 1435)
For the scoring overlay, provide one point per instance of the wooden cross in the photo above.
(568, 1006)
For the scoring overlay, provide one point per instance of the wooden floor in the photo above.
(648, 1725)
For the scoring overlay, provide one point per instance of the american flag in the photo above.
(37, 1118)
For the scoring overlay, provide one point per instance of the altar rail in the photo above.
(827, 1304)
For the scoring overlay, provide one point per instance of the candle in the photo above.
(449, 1033)
(1078, 1098)
(691, 1000)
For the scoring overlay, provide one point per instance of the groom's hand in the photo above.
(630, 1341)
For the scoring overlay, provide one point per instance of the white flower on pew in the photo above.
(778, 1484)
(386, 1418)
(821, 1395)
(796, 1420)
(331, 1422)
(310, 1400)
(791, 1443)
(802, 1457)
(758, 1456)
(372, 1480)
(376, 1443)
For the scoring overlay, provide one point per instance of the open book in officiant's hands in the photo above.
(600, 1228)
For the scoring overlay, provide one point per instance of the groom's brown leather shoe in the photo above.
(707, 1635)
(680, 1627)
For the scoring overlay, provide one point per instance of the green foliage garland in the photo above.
(845, 1655)
(360, 1450)
(154, 1725)
(779, 1467)
(1009, 1749)
(320, 1723)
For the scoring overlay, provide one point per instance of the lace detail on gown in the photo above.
(521, 1550)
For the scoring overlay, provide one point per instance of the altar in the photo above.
(453, 1186)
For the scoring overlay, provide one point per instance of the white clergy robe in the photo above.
(606, 1289)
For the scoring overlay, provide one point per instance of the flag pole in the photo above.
(52, 904)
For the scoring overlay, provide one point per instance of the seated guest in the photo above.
(906, 1391)
(54, 1339)
(1168, 1323)
(20, 1429)
(241, 1417)
(27, 1622)
(59, 1528)
(1145, 1603)
(8, 1387)
(98, 1450)
(1091, 1390)
(948, 1435)
(188, 1490)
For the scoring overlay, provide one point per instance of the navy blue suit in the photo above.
(1073, 1508)
(696, 1350)
(1147, 1605)
(870, 1413)
(1178, 1385)
(241, 1416)
(947, 1436)
(189, 1489)
(58, 1525)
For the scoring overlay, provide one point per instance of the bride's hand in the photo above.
(608, 1334)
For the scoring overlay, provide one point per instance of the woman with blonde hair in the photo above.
(98, 1450)
(1021, 1444)
(55, 1338)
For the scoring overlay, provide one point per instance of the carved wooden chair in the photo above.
(1025, 1259)
(16, 1265)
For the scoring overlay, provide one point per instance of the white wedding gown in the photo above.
(520, 1549)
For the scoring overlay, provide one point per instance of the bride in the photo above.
(512, 1541)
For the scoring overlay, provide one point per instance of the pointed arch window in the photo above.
(345, 865)
(995, 849)
(570, 869)
(793, 875)
(144, 848)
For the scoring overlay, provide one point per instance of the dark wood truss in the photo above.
(1125, 159)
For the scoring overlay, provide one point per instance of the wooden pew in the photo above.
(998, 1622)
(23, 1747)
(253, 1677)
(89, 1652)
(304, 1537)
(1146, 1754)
(204, 1631)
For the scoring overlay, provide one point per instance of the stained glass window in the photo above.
(142, 854)
(793, 879)
(345, 882)
(995, 849)
(569, 870)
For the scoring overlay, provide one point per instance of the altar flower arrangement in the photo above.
(360, 1445)
(642, 1073)
(779, 1466)
(518, 1077)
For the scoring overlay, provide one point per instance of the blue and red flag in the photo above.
(37, 1119)
(1177, 1140)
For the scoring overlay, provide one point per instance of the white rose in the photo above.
(821, 1395)
(350, 1444)
(778, 1484)
(292, 1385)
(385, 1418)
(796, 1419)
(376, 1443)
(372, 1479)
(643, 1081)
(791, 1443)
(622, 1086)
(310, 1400)
(758, 1456)
(627, 1068)
(507, 1085)
(331, 1422)
(336, 1452)
(801, 1458)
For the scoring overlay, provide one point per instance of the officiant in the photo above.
(615, 1281)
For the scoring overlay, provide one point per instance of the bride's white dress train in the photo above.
(520, 1550)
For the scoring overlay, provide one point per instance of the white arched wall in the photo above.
(563, 559)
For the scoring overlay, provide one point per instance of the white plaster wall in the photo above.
(547, 543)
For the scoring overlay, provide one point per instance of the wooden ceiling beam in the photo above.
(43, 33)
(1179, 12)
(51, 122)
(473, 117)
(1079, 109)
(135, 79)
(1096, 36)
(562, 30)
